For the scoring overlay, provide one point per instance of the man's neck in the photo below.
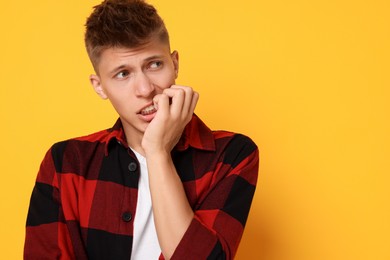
(134, 139)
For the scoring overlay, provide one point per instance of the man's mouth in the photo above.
(148, 110)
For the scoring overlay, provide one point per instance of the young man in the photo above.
(159, 183)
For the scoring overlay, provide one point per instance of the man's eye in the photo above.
(155, 65)
(122, 74)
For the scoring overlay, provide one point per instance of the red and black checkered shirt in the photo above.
(84, 200)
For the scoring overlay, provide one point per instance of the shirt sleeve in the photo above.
(47, 236)
(219, 221)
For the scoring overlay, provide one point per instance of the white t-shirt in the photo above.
(145, 242)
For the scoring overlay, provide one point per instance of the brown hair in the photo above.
(122, 23)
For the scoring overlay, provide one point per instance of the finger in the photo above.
(189, 94)
(161, 102)
(194, 101)
(188, 99)
(155, 100)
(177, 96)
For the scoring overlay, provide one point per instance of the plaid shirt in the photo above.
(84, 200)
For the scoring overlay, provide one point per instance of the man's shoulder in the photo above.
(84, 142)
(234, 147)
(95, 137)
(233, 139)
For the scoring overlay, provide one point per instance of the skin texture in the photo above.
(137, 78)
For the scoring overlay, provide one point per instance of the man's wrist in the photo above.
(157, 155)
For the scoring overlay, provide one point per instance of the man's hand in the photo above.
(171, 210)
(175, 107)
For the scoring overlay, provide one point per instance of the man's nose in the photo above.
(143, 85)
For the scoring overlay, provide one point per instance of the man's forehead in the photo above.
(144, 51)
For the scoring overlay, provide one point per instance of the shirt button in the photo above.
(132, 166)
(126, 216)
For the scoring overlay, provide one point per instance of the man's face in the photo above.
(131, 77)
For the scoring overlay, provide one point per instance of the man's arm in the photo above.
(226, 196)
(172, 212)
(46, 233)
(210, 232)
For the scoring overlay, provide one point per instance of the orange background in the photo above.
(307, 80)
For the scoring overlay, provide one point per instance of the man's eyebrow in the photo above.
(117, 68)
(123, 66)
(154, 57)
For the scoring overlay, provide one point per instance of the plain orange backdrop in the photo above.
(307, 80)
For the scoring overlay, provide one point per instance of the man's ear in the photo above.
(97, 86)
(175, 59)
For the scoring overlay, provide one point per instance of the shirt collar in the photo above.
(196, 134)
(116, 134)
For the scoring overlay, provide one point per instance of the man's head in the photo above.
(122, 23)
(128, 45)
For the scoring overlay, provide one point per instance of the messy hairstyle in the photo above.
(122, 23)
